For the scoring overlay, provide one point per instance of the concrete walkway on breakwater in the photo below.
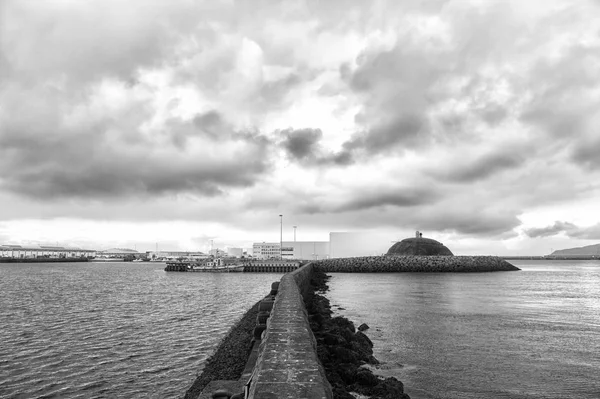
(285, 364)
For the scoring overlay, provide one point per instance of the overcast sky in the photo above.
(131, 123)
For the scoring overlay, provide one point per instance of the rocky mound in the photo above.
(419, 247)
(419, 264)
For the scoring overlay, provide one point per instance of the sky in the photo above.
(167, 124)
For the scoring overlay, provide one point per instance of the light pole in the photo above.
(280, 236)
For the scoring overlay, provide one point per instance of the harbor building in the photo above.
(340, 245)
(173, 255)
(305, 250)
(43, 251)
(266, 250)
(118, 253)
(291, 250)
(353, 244)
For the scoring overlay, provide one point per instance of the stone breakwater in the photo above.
(343, 351)
(423, 264)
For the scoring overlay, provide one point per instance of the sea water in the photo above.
(103, 330)
(529, 334)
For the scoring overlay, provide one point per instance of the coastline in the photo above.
(42, 260)
(230, 357)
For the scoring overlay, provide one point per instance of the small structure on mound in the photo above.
(419, 246)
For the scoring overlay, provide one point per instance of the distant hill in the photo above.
(587, 250)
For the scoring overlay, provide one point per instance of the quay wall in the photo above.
(424, 264)
(287, 365)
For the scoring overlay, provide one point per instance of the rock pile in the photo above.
(419, 246)
(342, 350)
(431, 264)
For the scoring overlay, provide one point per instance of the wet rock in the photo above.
(366, 377)
(342, 350)
(363, 327)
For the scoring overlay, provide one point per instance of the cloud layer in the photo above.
(461, 118)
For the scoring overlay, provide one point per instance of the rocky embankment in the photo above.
(431, 264)
(228, 361)
(342, 350)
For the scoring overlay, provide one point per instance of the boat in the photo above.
(218, 265)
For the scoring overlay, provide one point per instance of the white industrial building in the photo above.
(340, 245)
(353, 244)
(305, 250)
(266, 250)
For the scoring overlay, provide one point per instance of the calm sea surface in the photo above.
(528, 334)
(104, 330)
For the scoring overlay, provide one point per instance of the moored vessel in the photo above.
(218, 265)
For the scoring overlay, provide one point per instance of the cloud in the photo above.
(46, 155)
(557, 228)
(302, 143)
(304, 146)
(370, 198)
(453, 117)
(569, 229)
(465, 170)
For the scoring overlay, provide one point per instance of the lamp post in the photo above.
(280, 236)
(295, 233)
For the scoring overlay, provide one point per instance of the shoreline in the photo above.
(345, 353)
(229, 359)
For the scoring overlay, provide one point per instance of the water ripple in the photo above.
(114, 330)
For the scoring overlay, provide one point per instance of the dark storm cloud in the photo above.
(370, 198)
(303, 146)
(585, 152)
(54, 161)
(481, 167)
(557, 228)
(473, 222)
(563, 102)
(403, 130)
(401, 198)
(571, 230)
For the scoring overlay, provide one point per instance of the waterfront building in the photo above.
(353, 244)
(266, 250)
(340, 245)
(43, 251)
(118, 253)
(305, 250)
(173, 255)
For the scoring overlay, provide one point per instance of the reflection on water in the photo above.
(114, 329)
(528, 334)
